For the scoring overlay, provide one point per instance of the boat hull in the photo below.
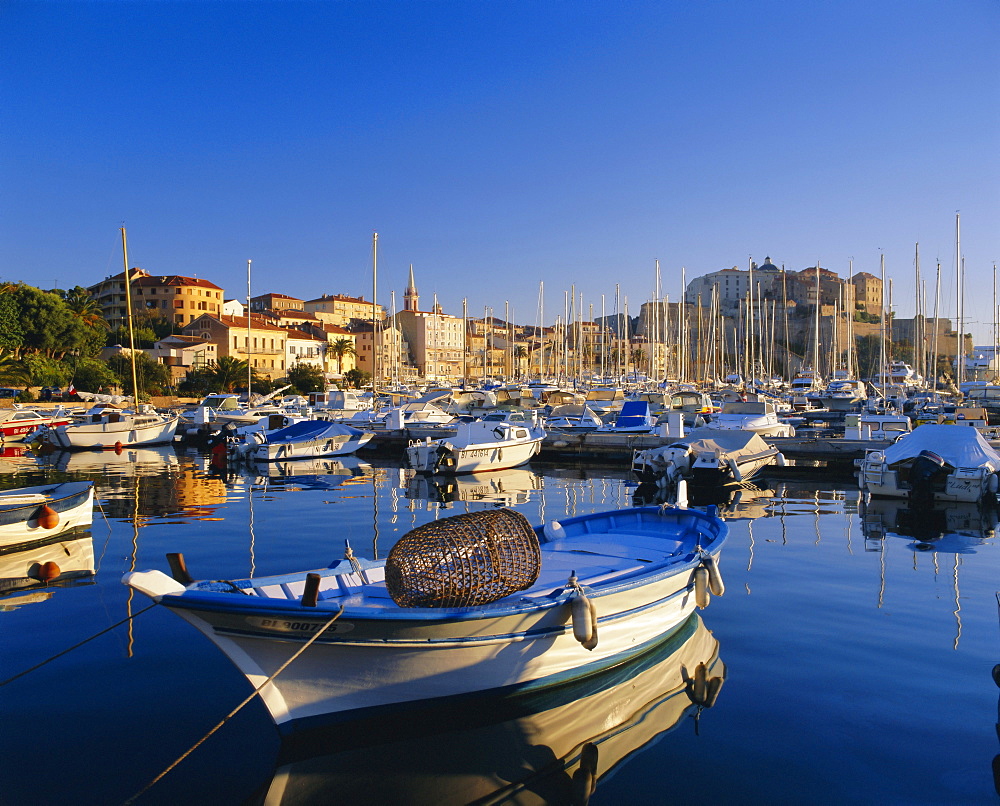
(378, 663)
(338, 445)
(104, 435)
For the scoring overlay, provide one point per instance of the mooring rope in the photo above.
(236, 710)
(75, 646)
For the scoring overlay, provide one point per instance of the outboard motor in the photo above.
(926, 474)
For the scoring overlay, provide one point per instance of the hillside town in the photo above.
(761, 322)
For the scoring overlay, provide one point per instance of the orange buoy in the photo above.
(118, 448)
(48, 571)
(47, 517)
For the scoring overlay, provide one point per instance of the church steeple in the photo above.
(410, 297)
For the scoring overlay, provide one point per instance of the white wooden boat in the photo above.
(606, 587)
(477, 446)
(107, 428)
(32, 516)
(933, 463)
(306, 439)
(707, 458)
(535, 748)
(758, 416)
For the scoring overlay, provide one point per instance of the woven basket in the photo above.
(464, 560)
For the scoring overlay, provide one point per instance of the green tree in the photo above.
(339, 348)
(11, 333)
(357, 377)
(306, 378)
(47, 323)
(153, 377)
(92, 374)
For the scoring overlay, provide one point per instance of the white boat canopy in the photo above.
(959, 446)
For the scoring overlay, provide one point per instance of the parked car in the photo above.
(51, 393)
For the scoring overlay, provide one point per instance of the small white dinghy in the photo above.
(35, 516)
(475, 602)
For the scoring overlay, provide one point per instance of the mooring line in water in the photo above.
(236, 710)
(79, 644)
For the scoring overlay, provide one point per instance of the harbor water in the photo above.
(854, 646)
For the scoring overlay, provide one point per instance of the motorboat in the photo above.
(706, 457)
(758, 416)
(472, 603)
(18, 423)
(546, 747)
(933, 463)
(887, 425)
(572, 417)
(480, 445)
(987, 397)
(696, 406)
(603, 400)
(107, 427)
(306, 439)
(842, 394)
(33, 516)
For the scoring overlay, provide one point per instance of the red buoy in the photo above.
(47, 517)
(118, 448)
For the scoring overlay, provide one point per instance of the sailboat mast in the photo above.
(937, 327)
(131, 329)
(249, 363)
(374, 315)
(959, 303)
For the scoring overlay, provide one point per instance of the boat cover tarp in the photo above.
(311, 429)
(731, 443)
(958, 445)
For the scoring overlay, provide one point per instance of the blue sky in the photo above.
(495, 145)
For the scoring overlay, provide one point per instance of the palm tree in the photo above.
(520, 353)
(86, 308)
(227, 372)
(12, 370)
(339, 348)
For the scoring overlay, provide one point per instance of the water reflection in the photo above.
(30, 576)
(501, 487)
(550, 747)
(952, 528)
(316, 473)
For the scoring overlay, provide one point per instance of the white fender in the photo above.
(734, 469)
(583, 629)
(592, 643)
(715, 583)
(702, 594)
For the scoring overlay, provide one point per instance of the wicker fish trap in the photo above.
(464, 560)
